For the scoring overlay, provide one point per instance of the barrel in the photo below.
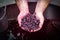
(3, 19)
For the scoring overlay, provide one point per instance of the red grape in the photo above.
(30, 22)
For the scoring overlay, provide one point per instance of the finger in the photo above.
(40, 25)
(41, 22)
(37, 29)
(19, 21)
(23, 28)
(32, 31)
(19, 18)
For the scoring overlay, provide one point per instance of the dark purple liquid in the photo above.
(30, 22)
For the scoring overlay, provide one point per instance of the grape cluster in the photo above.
(30, 22)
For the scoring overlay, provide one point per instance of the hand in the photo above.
(41, 18)
(20, 16)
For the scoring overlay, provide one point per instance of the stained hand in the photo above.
(19, 18)
(41, 18)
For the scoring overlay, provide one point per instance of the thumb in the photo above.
(41, 22)
(19, 21)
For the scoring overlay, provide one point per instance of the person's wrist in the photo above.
(24, 11)
(39, 13)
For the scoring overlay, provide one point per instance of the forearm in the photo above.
(41, 5)
(22, 5)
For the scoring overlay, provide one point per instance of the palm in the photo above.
(38, 16)
(20, 16)
(41, 18)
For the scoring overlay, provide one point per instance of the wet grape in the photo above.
(30, 22)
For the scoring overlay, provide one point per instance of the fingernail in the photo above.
(31, 30)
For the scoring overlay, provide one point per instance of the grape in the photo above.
(30, 22)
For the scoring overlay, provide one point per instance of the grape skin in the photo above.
(30, 22)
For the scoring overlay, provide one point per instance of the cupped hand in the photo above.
(38, 16)
(20, 16)
(41, 18)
